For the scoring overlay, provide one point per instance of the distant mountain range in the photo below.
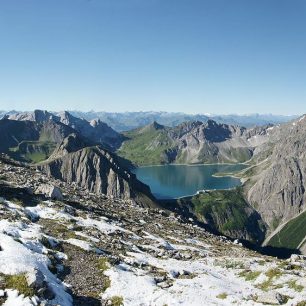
(130, 120)
(191, 143)
(95, 129)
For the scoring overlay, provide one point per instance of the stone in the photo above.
(159, 279)
(69, 210)
(2, 293)
(50, 191)
(271, 298)
(46, 292)
(165, 285)
(35, 279)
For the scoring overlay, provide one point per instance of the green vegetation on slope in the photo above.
(32, 151)
(291, 235)
(17, 282)
(146, 146)
(241, 154)
(226, 211)
(228, 205)
(187, 143)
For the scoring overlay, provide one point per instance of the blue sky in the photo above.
(195, 56)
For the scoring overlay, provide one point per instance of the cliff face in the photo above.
(279, 190)
(97, 171)
(276, 189)
(92, 169)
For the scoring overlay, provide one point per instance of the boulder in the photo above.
(35, 279)
(271, 298)
(50, 191)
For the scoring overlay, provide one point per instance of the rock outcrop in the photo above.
(96, 170)
(50, 191)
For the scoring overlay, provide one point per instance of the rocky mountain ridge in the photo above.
(95, 130)
(192, 142)
(95, 169)
(132, 120)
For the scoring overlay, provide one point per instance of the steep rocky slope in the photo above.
(94, 169)
(275, 186)
(192, 142)
(93, 250)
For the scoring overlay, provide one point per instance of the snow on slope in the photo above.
(21, 253)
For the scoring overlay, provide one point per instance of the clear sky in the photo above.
(195, 56)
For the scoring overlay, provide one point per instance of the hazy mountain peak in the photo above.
(156, 125)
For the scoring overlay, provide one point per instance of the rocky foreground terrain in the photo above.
(62, 245)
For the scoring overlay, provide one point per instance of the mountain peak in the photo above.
(156, 125)
(211, 123)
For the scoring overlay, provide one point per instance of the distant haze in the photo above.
(129, 120)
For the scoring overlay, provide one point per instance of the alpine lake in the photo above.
(175, 181)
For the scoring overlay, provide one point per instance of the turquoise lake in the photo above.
(174, 181)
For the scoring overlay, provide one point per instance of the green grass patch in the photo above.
(17, 282)
(229, 264)
(103, 264)
(106, 283)
(57, 230)
(222, 296)
(293, 285)
(32, 151)
(116, 300)
(146, 146)
(227, 205)
(249, 275)
(226, 211)
(272, 274)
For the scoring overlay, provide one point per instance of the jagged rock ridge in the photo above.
(95, 130)
(192, 142)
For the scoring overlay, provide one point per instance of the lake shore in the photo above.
(174, 181)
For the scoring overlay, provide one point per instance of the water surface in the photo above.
(174, 181)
